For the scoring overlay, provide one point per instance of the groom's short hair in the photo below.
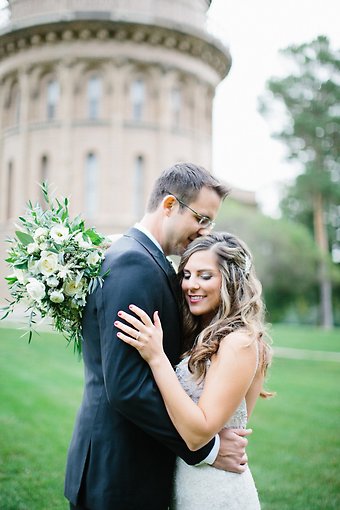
(185, 180)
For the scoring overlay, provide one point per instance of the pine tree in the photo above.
(311, 99)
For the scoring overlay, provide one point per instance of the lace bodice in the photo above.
(204, 486)
(194, 389)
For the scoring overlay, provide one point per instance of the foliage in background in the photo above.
(310, 96)
(285, 258)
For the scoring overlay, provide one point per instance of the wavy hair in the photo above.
(241, 305)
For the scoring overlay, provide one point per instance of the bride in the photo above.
(221, 374)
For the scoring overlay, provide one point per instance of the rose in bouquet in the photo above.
(55, 263)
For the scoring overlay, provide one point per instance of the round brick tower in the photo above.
(99, 97)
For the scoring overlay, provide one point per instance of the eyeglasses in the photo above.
(203, 221)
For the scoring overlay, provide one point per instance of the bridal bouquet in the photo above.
(55, 264)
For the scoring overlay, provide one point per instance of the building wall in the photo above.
(99, 102)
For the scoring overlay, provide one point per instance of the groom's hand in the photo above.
(232, 453)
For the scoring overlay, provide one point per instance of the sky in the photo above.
(244, 153)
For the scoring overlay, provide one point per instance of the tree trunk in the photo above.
(321, 240)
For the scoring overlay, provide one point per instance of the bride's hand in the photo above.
(145, 336)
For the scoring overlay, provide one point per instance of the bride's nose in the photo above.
(194, 285)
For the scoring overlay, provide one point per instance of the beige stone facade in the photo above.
(98, 98)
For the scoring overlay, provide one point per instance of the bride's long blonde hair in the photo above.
(241, 305)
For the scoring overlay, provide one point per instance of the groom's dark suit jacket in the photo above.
(124, 445)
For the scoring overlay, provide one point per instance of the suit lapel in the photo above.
(158, 256)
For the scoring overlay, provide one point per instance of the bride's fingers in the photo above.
(141, 314)
(136, 323)
(157, 321)
(134, 333)
(128, 340)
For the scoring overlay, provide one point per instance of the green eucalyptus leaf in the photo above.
(95, 238)
(20, 265)
(11, 279)
(24, 238)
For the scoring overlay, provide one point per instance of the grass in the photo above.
(41, 386)
(294, 451)
(306, 337)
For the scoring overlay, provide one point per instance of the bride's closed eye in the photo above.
(206, 276)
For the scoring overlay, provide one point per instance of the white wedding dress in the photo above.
(205, 487)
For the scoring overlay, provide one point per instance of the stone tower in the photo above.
(97, 97)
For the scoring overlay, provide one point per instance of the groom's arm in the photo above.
(130, 386)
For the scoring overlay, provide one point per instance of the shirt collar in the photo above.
(145, 231)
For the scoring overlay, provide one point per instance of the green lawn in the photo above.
(306, 337)
(41, 386)
(294, 451)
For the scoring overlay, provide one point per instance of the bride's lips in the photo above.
(193, 299)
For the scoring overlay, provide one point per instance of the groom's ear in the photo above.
(168, 203)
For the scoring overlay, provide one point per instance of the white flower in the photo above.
(71, 288)
(40, 234)
(52, 281)
(32, 248)
(63, 273)
(78, 301)
(33, 266)
(43, 246)
(57, 296)
(48, 263)
(81, 241)
(59, 234)
(35, 289)
(20, 275)
(92, 258)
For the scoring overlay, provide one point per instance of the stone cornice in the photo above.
(202, 46)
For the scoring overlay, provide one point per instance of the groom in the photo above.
(124, 445)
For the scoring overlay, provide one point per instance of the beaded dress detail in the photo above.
(205, 487)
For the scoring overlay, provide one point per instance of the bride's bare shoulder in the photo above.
(238, 340)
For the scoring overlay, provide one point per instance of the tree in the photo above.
(284, 254)
(311, 100)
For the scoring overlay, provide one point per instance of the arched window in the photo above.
(44, 170)
(137, 99)
(14, 104)
(91, 185)
(94, 94)
(17, 106)
(138, 187)
(176, 103)
(52, 99)
(10, 177)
